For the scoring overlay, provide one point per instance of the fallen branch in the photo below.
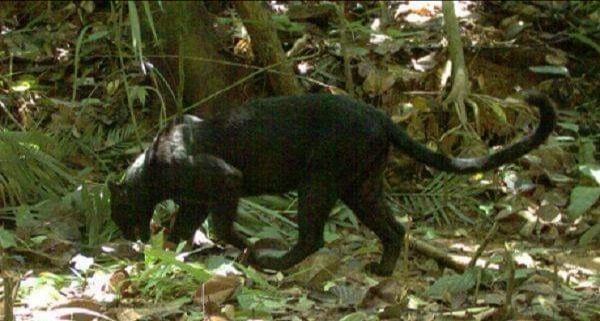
(458, 263)
(455, 262)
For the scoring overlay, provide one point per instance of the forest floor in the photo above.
(518, 243)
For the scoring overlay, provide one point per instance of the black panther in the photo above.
(326, 147)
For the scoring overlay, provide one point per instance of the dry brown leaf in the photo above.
(377, 82)
(218, 289)
(119, 280)
(316, 269)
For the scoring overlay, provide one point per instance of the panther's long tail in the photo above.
(424, 155)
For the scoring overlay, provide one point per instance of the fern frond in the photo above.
(28, 171)
(446, 196)
(98, 142)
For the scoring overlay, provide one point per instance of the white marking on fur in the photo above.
(139, 161)
(135, 169)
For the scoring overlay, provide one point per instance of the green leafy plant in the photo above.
(445, 194)
(28, 170)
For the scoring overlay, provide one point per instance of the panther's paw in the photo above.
(378, 269)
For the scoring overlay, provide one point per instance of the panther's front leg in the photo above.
(189, 218)
(316, 199)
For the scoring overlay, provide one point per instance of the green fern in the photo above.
(109, 142)
(446, 194)
(100, 143)
(28, 172)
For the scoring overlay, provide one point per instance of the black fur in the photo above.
(326, 147)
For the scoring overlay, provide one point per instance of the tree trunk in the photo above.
(269, 50)
(185, 32)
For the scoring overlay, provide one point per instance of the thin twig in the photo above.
(510, 282)
(241, 81)
(484, 244)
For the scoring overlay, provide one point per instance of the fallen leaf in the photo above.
(557, 59)
(317, 269)
(582, 199)
(548, 212)
(119, 281)
(218, 289)
(377, 82)
(524, 259)
(589, 236)
(425, 63)
(152, 312)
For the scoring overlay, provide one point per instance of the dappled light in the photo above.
(299, 160)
